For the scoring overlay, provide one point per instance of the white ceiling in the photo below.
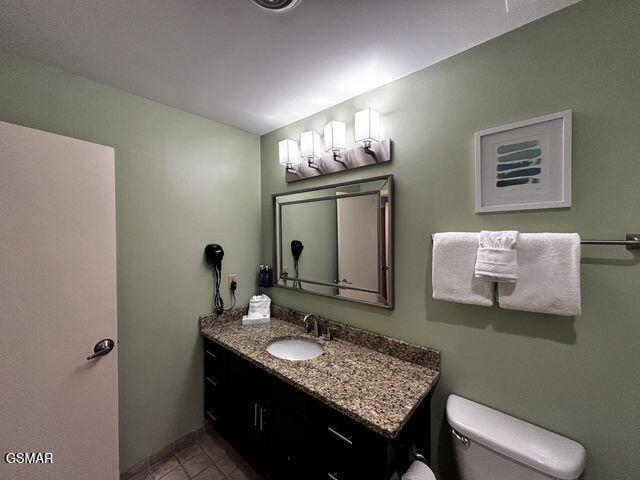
(229, 61)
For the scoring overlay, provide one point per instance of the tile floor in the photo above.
(208, 458)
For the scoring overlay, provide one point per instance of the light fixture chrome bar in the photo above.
(350, 159)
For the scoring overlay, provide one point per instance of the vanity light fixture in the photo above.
(288, 154)
(310, 147)
(321, 158)
(335, 139)
(367, 128)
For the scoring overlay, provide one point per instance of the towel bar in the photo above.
(632, 241)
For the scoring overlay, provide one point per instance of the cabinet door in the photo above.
(248, 430)
(290, 445)
(251, 420)
(235, 422)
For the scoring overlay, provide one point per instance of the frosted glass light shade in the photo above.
(288, 152)
(367, 126)
(335, 136)
(310, 145)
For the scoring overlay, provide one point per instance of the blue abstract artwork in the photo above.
(518, 163)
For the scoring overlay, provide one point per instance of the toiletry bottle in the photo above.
(269, 277)
(261, 276)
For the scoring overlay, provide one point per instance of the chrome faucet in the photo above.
(314, 328)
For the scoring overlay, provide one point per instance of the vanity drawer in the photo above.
(213, 352)
(345, 466)
(217, 360)
(216, 386)
(212, 415)
(351, 435)
(349, 443)
(215, 393)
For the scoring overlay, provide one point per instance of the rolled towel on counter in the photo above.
(453, 263)
(549, 275)
(497, 259)
(418, 471)
(259, 310)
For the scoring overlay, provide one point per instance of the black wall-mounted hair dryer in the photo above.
(296, 251)
(213, 254)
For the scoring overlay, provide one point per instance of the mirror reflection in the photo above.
(337, 241)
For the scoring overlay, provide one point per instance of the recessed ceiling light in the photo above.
(276, 6)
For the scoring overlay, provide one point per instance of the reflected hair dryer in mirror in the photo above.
(296, 251)
(213, 254)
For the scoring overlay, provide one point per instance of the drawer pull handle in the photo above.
(212, 416)
(211, 354)
(261, 422)
(212, 381)
(346, 440)
(255, 414)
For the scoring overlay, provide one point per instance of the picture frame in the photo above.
(524, 165)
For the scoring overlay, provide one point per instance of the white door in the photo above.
(358, 243)
(57, 299)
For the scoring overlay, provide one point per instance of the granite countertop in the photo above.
(376, 389)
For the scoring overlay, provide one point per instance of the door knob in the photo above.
(101, 348)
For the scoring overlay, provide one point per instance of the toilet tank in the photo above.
(489, 444)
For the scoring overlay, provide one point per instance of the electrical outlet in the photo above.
(233, 278)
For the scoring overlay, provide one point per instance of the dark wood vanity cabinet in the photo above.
(285, 433)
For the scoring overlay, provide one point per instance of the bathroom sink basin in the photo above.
(295, 349)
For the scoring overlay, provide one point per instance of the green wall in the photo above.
(177, 179)
(181, 182)
(576, 376)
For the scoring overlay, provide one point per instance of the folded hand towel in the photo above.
(259, 305)
(259, 310)
(549, 275)
(497, 259)
(454, 257)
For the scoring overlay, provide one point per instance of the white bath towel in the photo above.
(259, 310)
(454, 258)
(497, 259)
(549, 275)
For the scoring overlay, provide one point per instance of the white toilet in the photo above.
(491, 445)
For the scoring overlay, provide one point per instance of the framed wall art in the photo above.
(524, 165)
